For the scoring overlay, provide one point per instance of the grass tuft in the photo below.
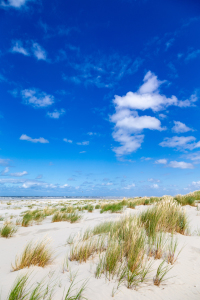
(38, 254)
(8, 230)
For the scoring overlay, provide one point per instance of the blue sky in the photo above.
(99, 98)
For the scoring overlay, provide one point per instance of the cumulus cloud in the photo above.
(180, 127)
(180, 142)
(67, 141)
(84, 143)
(18, 48)
(161, 161)
(180, 165)
(41, 140)
(129, 125)
(13, 3)
(129, 143)
(149, 97)
(39, 52)
(36, 98)
(56, 113)
(19, 174)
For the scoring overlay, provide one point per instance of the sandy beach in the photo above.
(184, 277)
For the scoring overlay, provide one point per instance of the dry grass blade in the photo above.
(38, 254)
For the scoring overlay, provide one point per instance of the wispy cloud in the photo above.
(36, 98)
(19, 174)
(84, 143)
(56, 113)
(128, 187)
(5, 171)
(162, 161)
(19, 48)
(192, 55)
(31, 49)
(180, 165)
(13, 3)
(103, 71)
(67, 141)
(41, 140)
(4, 161)
(180, 127)
(39, 52)
(180, 142)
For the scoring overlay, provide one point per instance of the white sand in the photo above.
(185, 275)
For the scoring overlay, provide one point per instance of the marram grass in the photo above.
(37, 254)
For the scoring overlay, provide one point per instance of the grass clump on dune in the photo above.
(8, 230)
(166, 216)
(37, 254)
(27, 219)
(69, 217)
(112, 207)
(18, 291)
(21, 291)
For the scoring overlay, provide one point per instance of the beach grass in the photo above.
(37, 254)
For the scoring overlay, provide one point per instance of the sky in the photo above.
(99, 98)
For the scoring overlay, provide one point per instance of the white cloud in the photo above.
(4, 172)
(18, 48)
(92, 133)
(155, 186)
(129, 125)
(180, 165)
(4, 161)
(39, 52)
(193, 55)
(130, 186)
(67, 141)
(153, 180)
(56, 113)
(162, 116)
(145, 158)
(180, 127)
(14, 3)
(129, 143)
(82, 152)
(85, 143)
(162, 161)
(19, 174)
(148, 97)
(36, 98)
(130, 121)
(41, 140)
(194, 156)
(64, 186)
(180, 142)
(196, 183)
